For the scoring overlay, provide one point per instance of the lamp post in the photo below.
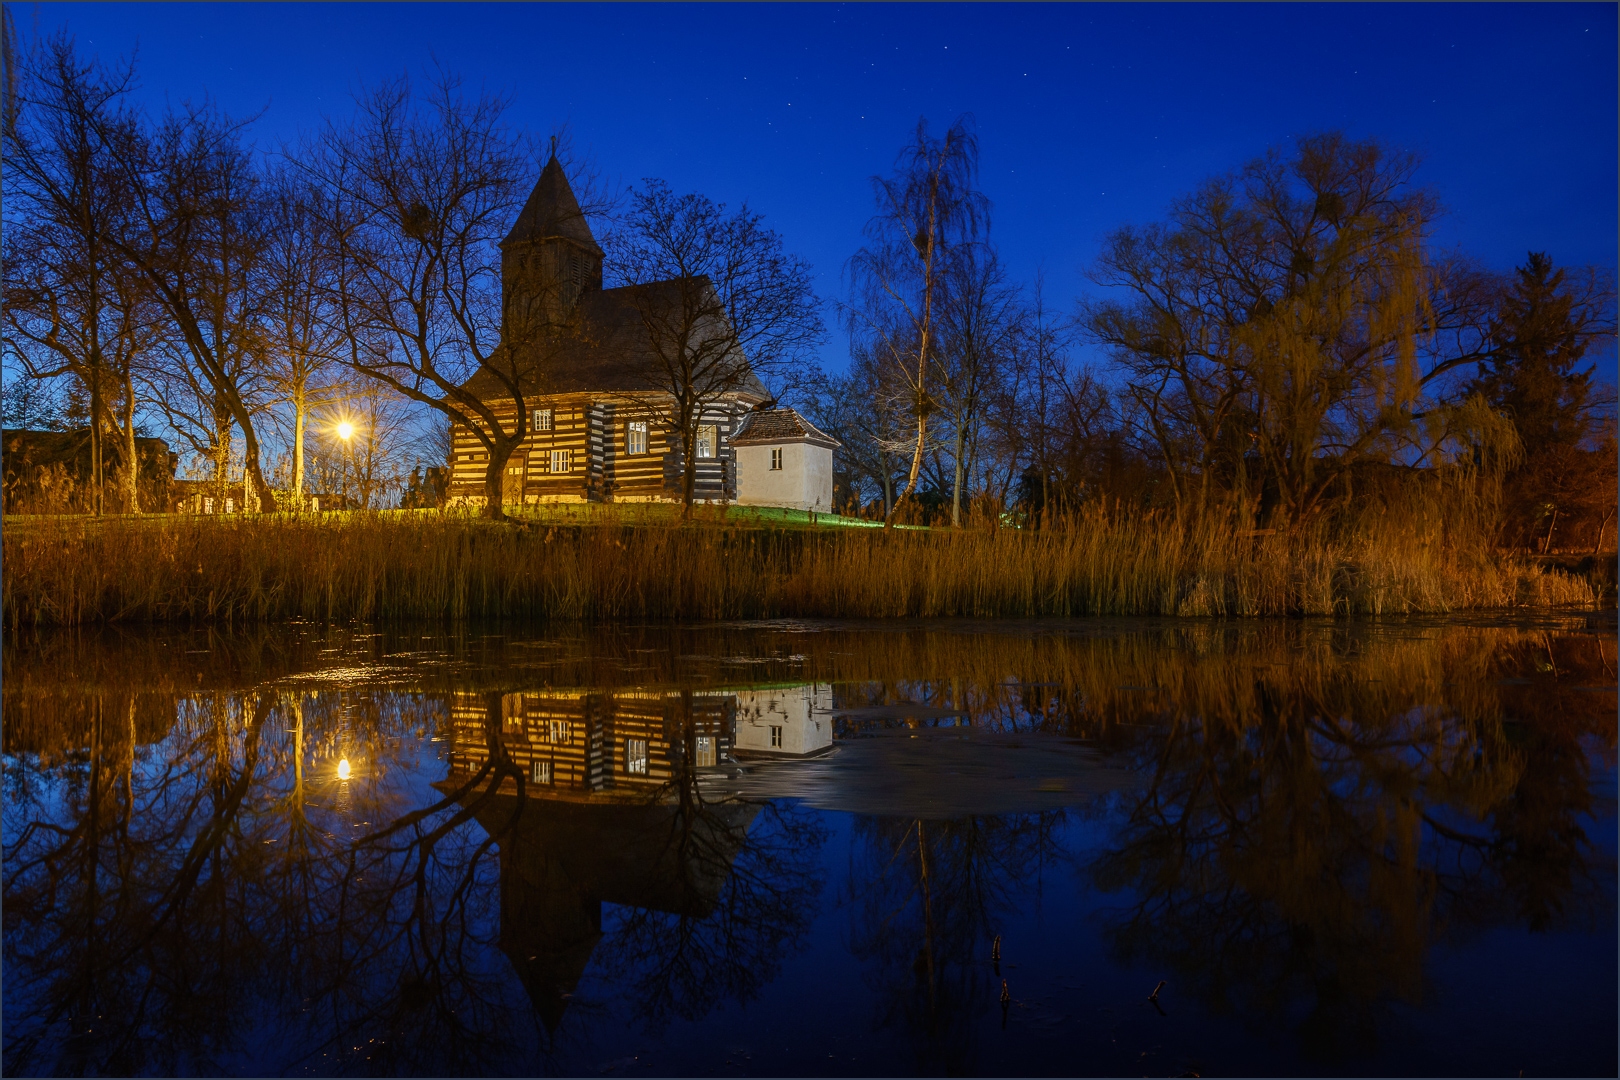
(345, 431)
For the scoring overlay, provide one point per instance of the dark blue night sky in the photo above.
(1089, 116)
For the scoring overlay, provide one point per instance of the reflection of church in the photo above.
(610, 814)
(577, 743)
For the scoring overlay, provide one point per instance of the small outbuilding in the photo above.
(783, 460)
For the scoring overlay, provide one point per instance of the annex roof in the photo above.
(780, 426)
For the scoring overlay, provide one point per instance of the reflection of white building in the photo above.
(789, 721)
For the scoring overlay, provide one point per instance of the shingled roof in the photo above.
(781, 426)
(552, 210)
(612, 355)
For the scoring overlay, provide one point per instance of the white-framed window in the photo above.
(562, 461)
(635, 437)
(708, 441)
(561, 731)
(635, 757)
(540, 772)
(542, 419)
(208, 505)
(776, 736)
(776, 459)
(705, 750)
(230, 506)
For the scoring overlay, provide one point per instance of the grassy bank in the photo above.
(607, 566)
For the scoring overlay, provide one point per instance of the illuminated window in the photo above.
(707, 439)
(635, 757)
(542, 419)
(562, 461)
(540, 772)
(561, 731)
(512, 714)
(776, 737)
(705, 750)
(776, 459)
(635, 437)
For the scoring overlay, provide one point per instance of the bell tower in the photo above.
(549, 258)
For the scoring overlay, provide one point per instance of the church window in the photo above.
(708, 438)
(635, 757)
(562, 461)
(635, 437)
(542, 419)
(776, 459)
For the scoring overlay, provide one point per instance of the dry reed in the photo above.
(396, 566)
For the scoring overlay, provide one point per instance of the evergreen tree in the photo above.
(1539, 338)
(1563, 493)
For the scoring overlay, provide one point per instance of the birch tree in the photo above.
(926, 211)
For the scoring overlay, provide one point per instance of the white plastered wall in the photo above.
(804, 482)
(804, 713)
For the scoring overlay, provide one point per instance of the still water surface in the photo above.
(814, 849)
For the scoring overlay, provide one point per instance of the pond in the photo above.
(1102, 847)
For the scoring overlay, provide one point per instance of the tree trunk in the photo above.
(299, 410)
(956, 483)
(500, 455)
(132, 480)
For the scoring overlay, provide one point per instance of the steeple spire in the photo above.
(552, 211)
(550, 257)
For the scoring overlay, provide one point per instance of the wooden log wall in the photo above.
(596, 432)
(586, 736)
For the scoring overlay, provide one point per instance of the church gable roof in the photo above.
(552, 211)
(612, 353)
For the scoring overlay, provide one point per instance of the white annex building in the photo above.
(783, 460)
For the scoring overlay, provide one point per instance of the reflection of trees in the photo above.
(928, 897)
(209, 897)
(1298, 852)
(164, 901)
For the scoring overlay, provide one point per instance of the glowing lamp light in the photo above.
(345, 430)
(343, 769)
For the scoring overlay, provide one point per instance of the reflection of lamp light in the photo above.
(343, 769)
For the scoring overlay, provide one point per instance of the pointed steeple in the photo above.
(550, 258)
(552, 212)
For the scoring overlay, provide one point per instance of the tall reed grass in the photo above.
(394, 566)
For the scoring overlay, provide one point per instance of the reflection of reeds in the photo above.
(388, 567)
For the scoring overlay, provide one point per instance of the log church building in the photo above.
(594, 426)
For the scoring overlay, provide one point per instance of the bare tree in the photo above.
(978, 323)
(418, 191)
(303, 343)
(724, 309)
(926, 211)
(1285, 325)
(196, 232)
(72, 307)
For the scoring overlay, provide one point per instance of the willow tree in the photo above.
(927, 212)
(1285, 325)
